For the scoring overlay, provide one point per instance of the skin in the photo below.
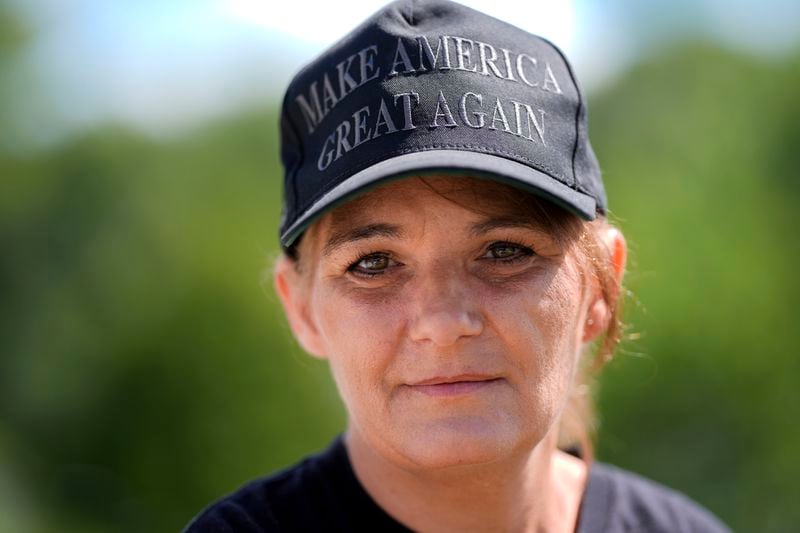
(454, 340)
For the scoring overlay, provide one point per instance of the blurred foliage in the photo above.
(145, 371)
(700, 155)
(13, 35)
(12, 32)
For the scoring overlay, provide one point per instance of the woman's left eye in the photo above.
(372, 265)
(507, 252)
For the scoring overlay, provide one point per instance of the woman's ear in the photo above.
(294, 294)
(599, 314)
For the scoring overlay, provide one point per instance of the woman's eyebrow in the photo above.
(341, 237)
(490, 224)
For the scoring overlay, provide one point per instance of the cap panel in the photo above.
(422, 77)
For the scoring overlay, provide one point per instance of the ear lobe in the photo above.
(599, 314)
(596, 320)
(294, 297)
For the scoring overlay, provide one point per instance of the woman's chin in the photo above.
(459, 441)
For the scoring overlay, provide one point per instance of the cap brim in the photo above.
(479, 164)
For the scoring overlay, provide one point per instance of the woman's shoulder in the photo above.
(250, 508)
(619, 500)
(257, 506)
(320, 493)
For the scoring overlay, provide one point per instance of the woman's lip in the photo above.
(442, 380)
(454, 388)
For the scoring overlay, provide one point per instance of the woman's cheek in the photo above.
(558, 310)
(359, 329)
(359, 315)
(537, 320)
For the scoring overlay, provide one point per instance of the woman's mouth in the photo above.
(455, 386)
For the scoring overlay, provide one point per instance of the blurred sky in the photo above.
(164, 65)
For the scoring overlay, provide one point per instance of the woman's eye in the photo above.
(372, 265)
(502, 252)
(507, 252)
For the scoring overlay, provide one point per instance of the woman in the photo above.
(447, 251)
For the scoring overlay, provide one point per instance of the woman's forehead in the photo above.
(474, 196)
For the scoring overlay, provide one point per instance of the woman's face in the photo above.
(453, 336)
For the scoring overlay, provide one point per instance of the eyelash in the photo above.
(523, 252)
(353, 267)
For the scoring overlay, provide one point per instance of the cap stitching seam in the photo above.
(577, 110)
(300, 149)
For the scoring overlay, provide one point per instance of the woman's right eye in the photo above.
(372, 265)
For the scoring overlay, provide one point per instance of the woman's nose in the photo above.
(446, 310)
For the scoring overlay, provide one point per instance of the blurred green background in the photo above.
(146, 370)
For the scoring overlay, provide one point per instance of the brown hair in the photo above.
(578, 422)
(577, 427)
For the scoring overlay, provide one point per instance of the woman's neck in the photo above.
(537, 491)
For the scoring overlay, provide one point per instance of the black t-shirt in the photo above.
(322, 493)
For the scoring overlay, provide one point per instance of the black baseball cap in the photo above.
(433, 86)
